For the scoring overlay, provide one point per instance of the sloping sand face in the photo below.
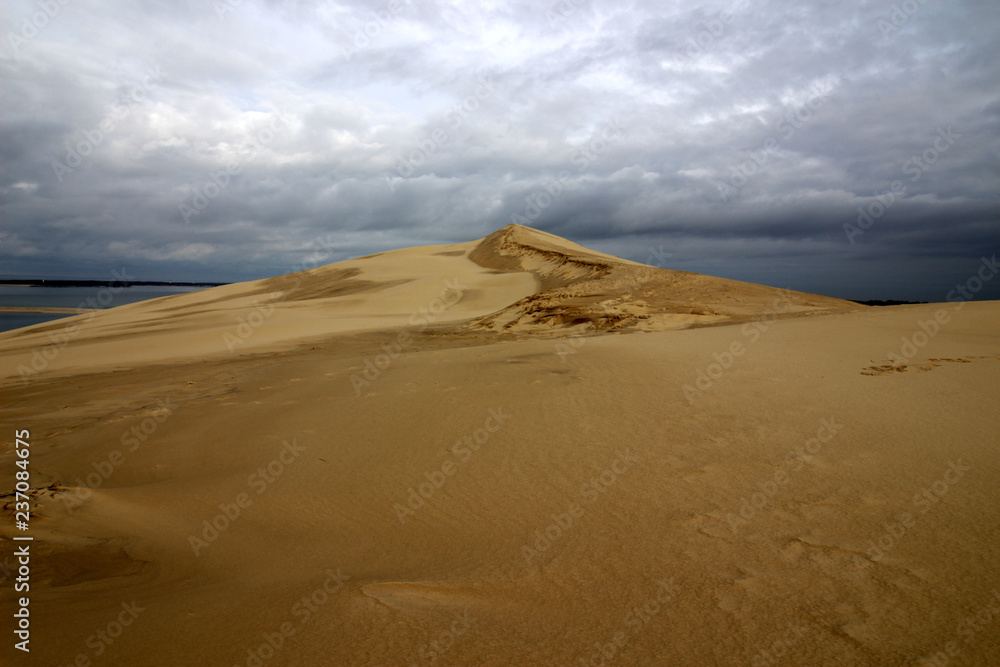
(597, 292)
(414, 287)
(798, 491)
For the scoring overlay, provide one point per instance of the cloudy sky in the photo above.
(235, 139)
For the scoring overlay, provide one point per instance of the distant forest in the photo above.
(891, 302)
(43, 282)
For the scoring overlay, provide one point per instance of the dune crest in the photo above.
(515, 281)
(555, 261)
(595, 292)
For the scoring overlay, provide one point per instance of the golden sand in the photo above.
(514, 451)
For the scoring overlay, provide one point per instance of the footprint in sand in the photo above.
(884, 369)
(935, 362)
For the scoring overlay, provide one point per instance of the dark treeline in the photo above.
(891, 302)
(44, 282)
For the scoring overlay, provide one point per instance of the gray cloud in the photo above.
(749, 135)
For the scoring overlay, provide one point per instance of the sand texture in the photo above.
(513, 451)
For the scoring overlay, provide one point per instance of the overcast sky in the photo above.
(231, 141)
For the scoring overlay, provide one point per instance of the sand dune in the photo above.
(501, 482)
(515, 280)
(594, 291)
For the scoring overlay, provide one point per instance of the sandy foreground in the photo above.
(507, 452)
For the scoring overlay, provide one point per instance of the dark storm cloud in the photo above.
(234, 140)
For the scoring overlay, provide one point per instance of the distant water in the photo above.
(72, 297)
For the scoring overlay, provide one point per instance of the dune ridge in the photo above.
(592, 291)
(515, 281)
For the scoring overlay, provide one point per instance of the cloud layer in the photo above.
(236, 139)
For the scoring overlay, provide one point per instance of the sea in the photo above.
(73, 297)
